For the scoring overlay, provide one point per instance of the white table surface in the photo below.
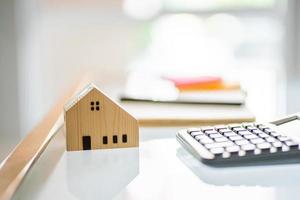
(159, 169)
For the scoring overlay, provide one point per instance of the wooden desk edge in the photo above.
(190, 122)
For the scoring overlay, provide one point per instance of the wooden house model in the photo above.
(94, 121)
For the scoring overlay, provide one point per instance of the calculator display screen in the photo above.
(291, 128)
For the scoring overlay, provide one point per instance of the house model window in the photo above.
(95, 105)
(89, 127)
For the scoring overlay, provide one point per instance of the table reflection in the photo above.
(265, 175)
(101, 174)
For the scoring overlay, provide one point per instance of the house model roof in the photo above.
(82, 93)
(79, 96)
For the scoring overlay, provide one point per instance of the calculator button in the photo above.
(285, 148)
(267, 130)
(195, 133)
(262, 127)
(190, 130)
(252, 136)
(221, 139)
(211, 132)
(251, 128)
(241, 142)
(226, 154)
(263, 135)
(270, 139)
(273, 149)
(229, 134)
(225, 130)
(236, 137)
(248, 147)
(200, 137)
(219, 144)
(215, 135)
(277, 144)
(237, 129)
(217, 150)
(257, 140)
(264, 146)
(245, 132)
(242, 153)
(233, 149)
(257, 151)
(257, 131)
(293, 145)
(247, 125)
(283, 138)
(206, 141)
(274, 134)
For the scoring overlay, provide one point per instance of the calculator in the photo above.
(245, 143)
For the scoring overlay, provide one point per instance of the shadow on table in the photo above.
(101, 174)
(266, 175)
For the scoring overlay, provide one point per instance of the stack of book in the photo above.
(194, 90)
(182, 101)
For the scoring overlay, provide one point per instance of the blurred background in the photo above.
(48, 45)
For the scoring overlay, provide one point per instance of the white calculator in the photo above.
(247, 143)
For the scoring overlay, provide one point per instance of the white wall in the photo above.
(9, 107)
(292, 54)
(59, 43)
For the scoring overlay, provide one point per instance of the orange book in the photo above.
(203, 83)
(223, 86)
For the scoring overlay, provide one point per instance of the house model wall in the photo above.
(94, 121)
